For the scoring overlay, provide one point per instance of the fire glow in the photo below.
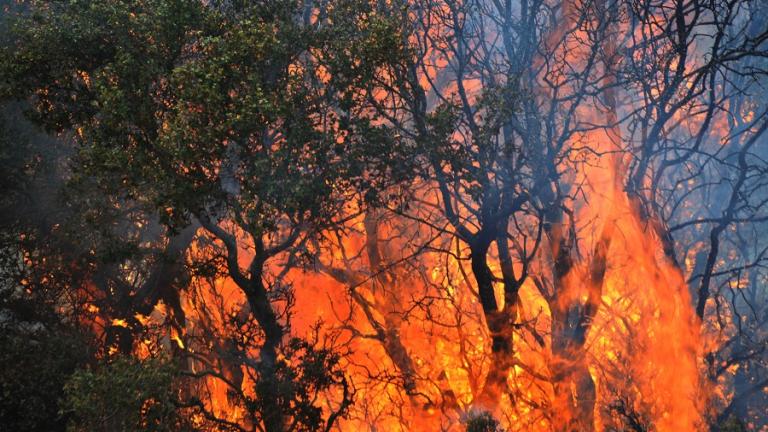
(552, 219)
(417, 340)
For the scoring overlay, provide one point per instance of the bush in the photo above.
(731, 425)
(33, 368)
(483, 422)
(124, 396)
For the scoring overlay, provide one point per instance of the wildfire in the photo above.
(537, 261)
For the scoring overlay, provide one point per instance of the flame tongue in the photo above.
(647, 331)
(631, 359)
(643, 341)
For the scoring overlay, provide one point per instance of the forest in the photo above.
(383, 215)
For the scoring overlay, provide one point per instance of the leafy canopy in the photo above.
(253, 112)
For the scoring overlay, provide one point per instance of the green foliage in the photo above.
(302, 374)
(483, 422)
(193, 109)
(366, 49)
(126, 395)
(97, 67)
(35, 361)
(40, 345)
(731, 425)
(15, 158)
(239, 111)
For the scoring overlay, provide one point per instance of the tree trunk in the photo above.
(574, 388)
(500, 326)
(273, 415)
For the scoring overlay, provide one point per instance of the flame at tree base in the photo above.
(643, 344)
(645, 340)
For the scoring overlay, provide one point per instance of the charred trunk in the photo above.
(273, 412)
(573, 385)
(500, 327)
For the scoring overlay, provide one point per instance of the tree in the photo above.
(492, 139)
(206, 114)
(41, 342)
(522, 181)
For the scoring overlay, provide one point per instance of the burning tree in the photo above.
(212, 117)
(411, 215)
